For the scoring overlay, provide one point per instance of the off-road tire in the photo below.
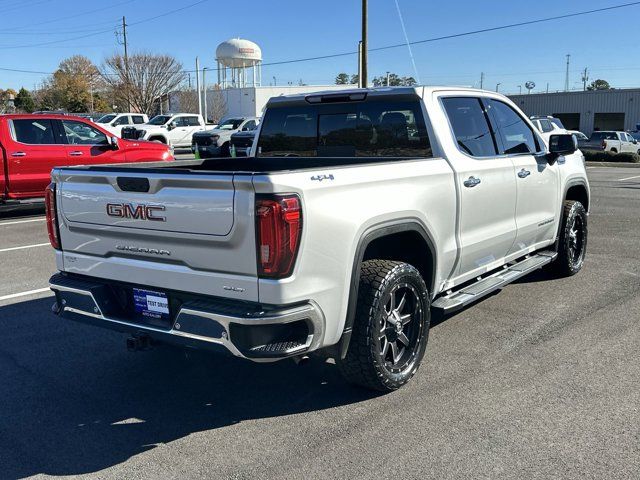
(365, 363)
(571, 251)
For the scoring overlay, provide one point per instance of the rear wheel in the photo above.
(572, 246)
(157, 140)
(613, 150)
(391, 327)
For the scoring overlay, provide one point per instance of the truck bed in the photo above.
(247, 165)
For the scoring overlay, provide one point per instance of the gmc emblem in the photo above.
(140, 212)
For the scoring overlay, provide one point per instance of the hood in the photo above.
(248, 134)
(132, 144)
(215, 131)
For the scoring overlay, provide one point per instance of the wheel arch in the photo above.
(384, 241)
(576, 189)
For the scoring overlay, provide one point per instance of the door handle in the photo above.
(18, 154)
(524, 173)
(75, 154)
(471, 182)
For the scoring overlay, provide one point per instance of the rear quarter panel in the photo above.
(336, 214)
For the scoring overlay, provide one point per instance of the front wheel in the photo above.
(572, 246)
(391, 326)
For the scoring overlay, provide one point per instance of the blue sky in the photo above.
(606, 42)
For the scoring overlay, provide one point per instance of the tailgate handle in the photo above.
(133, 184)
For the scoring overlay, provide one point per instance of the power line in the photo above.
(67, 17)
(100, 32)
(429, 40)
(463, 34)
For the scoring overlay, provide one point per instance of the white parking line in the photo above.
(24, 294)
(629, 178)
(22, 221)
(24, 247)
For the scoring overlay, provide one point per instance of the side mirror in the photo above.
(560, 145)
(171, 126)
(113, 143)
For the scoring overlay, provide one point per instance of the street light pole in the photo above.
(520, 89)
(204, 88)
(364, 82)
(498, 86)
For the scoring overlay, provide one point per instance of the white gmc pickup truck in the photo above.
(358, 215)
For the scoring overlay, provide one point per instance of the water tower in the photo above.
(239, 63)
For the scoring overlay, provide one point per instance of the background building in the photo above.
(617, 109)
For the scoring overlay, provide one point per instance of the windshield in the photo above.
(106, 119)
(557, 122)
(159, 120)
(231, 124)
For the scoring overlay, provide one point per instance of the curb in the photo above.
(613, 164)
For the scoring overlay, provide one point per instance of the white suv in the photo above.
(548, 126)
(115, 122)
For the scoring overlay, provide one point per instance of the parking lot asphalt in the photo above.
(538, 381)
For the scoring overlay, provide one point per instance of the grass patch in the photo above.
(591, 156)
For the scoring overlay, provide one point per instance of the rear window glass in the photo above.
(374, 128)
(34, 132)
(604, 136)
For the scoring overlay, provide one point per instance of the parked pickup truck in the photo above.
(115, 122)
(216, 142)
(175, 130)
(358, 214)
(32, 145)
(614, 142)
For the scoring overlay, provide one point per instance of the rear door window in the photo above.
(34, 132)
(470, 126)
(138, 119)
(373, 128)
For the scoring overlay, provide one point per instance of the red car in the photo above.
(31, 145)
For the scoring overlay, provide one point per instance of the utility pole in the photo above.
(388, 78)
(498, 86)
(198, 86)
(360, 64)
(189, 81)
(126, 61)
(364, 67)
(520, 89)
(204, 88)
(566, 78)
(481, 80)
(585, 79)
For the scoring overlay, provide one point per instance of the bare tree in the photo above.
(187, 100)
(218, 108)
(150, 79)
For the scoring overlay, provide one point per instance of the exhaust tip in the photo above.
(301, 360)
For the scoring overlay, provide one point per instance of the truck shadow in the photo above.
(74, 401)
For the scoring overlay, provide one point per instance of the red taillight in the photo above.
(278, 231)
(52, 217)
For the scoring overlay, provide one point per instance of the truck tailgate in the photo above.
(177, 231)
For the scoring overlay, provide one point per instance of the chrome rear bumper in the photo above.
(255, 332)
